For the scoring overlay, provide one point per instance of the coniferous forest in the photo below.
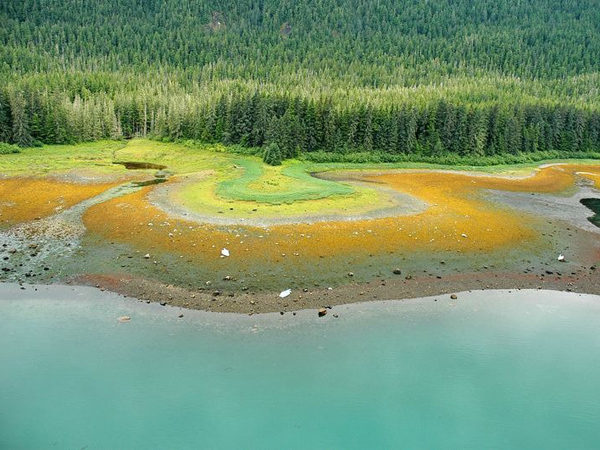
(322, 79)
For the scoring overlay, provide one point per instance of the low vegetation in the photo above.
(8, 149)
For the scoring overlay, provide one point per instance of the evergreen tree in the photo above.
(20, 121)
(272, 155)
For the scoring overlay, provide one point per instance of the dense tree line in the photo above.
(297, 125)
(364, 40)
(462, 77)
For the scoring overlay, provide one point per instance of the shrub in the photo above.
(272, 155)
(7, 149)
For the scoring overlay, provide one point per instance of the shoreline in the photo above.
(569, 279)
(14, 292)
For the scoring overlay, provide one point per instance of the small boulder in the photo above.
(453, 296)
(124, 319)
(397, 272)
(322, 312)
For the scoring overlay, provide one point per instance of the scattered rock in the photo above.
(180, 316)
(397, 272)
(322, 312)
(163, 303)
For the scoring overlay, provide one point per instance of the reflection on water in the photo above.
(489, 370)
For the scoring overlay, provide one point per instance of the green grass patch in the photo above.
(58, 158)
(288, 183)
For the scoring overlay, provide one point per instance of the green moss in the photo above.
(299, 185)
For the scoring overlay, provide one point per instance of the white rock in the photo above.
(147, 256)
(561, 257)
(285, 293)
(224, 252)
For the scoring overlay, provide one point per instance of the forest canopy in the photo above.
(414, 77)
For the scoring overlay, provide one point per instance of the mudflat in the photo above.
(350, 235)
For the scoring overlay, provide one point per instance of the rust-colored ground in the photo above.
(594, 177)
(24, 199)
(448, 247)
(458, 220)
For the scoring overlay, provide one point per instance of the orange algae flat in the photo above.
(458, 219)
(590, 175)
(24, 199)
(455, 221)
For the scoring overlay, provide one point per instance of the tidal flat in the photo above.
(332, 234)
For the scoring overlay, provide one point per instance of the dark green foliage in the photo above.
(8, 149)
(242, 39)
(437, 79)
(273, 155)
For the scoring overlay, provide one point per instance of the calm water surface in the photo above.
(489, 370)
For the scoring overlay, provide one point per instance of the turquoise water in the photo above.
(489, 370)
